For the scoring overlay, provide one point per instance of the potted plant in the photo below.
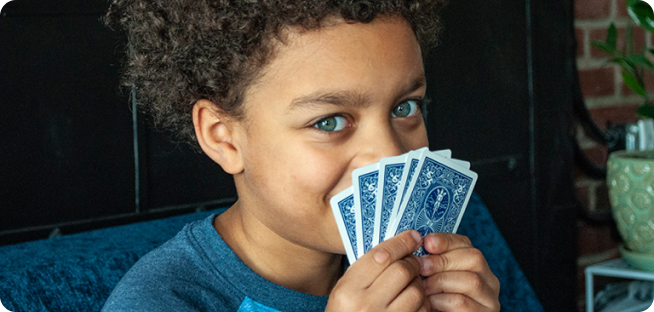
(630, 174)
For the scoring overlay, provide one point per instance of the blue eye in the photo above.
(331, 123)
(405, 109)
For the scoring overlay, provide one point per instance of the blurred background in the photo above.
(75, 155)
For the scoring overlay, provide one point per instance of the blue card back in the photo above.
(368, 196)
(344, 213)
(436, 200)
(392, 179)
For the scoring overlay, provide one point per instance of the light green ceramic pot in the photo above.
(630, 178)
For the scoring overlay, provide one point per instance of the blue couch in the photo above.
(77, 272)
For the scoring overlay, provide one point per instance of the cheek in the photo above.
(416, 138)
(319, 173)
(294, 173)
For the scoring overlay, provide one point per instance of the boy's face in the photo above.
(330, 101)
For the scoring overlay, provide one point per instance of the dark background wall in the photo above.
(76, 157)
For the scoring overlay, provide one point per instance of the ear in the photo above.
(214, 131)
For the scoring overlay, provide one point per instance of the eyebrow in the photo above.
(347, 97)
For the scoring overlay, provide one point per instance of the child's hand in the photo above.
(384, 279)
(457, 276)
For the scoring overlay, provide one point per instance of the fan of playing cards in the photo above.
(421, 190)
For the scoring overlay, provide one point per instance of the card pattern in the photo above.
(392, 179)
(421, 190)
(436, 199)
(367, 193)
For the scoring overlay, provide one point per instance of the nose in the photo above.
(376, 143)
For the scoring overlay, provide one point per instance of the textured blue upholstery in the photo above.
(77, 272)
(515, 292)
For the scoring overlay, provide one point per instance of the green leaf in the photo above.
(612, 37)
(605, 47)
(641, 13)
(624, 63)
(629, 39)
(633, 84)
(646, 110)
(640, 60)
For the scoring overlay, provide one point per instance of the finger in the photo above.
(458, 303)
(426, 306)
(436, 243)
(412, 298)
(374, 262)
(396, 277)
(463, 259)
(468, 259)
(469, 284)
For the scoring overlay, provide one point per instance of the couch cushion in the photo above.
(77, 272)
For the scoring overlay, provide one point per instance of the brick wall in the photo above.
(609, 101)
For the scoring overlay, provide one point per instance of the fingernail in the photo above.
(431, 241)
(381, 256)
(421, 261)
(416, 236)
(425, 264)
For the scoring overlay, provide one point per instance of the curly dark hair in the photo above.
(181, 51)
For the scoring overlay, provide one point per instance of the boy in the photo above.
(290, 97)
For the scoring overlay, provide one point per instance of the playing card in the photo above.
(364, 185)
(343, 208)
(390, 176)
(437, 197)
(421, 190)
(410, 165)
(461, 163)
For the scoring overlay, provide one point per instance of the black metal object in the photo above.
(68, 157)
(614, 138)
(501, 87)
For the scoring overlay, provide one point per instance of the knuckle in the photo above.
(496, 306)
(416, 294)
(405, 271)
(477, 255)
(368, 308)
(413, 262)
(398, 247)
(466, 240)
(459, 302)
(442, 263)
(450, 239)
(426, 306)
(495, 284)
(407, 242)
(337, 291)
(476, 283)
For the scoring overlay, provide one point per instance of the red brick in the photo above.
(621, 6)
(579, 35)
(592, 9)
(595, 239)
(614, 115)
(597, 154)
(602, 198)
(597, 82)
(578, 174)
(582, 194)
(599, 34)
(649, 83)
(638, 35)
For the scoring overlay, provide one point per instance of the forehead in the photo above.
(380, 57)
